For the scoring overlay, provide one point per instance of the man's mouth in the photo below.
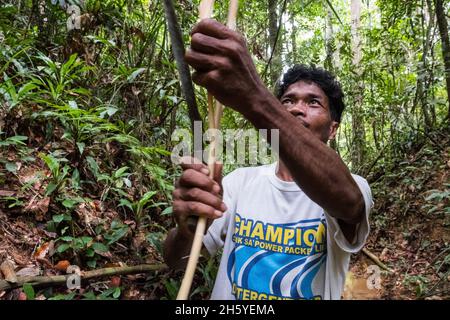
(304, 123)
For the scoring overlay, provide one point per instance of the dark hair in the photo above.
(324, 79)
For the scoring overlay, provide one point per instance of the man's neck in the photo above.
(282, 172)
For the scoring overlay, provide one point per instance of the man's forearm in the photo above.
(176, 249)
(315, 167)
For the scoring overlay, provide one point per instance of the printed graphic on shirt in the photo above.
(277, 261)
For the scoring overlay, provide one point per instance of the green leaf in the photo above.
(29, 291)
(127, 182)
(155, 239)
(89, 296)
(147, 197)
(126, 203)
(68, 296)
(90, 252)
(11, 167)
(86, 240)
(50, 188)
(119, 230)
(110, 111)
(134, 75)
(92, 263)
(17, 140)
(58, 218)
(116, 293)
(73, 104)
(167, 211)
(26, 88)
(93, 166)
(121, 172)
(97, 246)
(51, 163)
(69, 203)
(63, 247)
(81, 146)
(76, 179)
(61, 217)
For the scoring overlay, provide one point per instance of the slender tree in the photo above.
(358, 148)
(443, 30)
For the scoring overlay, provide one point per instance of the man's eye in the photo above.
(314, 102)
(286, 101)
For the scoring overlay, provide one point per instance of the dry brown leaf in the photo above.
(38, 206)
(6, 193)
(45, 262)
(115, 281)
(7, 268)
(29, 272)
(18, 258)
(42, 251)
(383, 255)
(91, 212)
(62, 265)
(22, 296)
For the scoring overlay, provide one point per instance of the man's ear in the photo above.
(333, 130)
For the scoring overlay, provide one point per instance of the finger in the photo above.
(199, 195)
(218, 173)
(202, 62)
(212, 28)
(183, 209)
(206, 44)
(194, 164)
(207, 79)
(195, 179)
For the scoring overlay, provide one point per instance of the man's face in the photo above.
(308, 103)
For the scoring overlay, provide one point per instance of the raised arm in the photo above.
(224, 66)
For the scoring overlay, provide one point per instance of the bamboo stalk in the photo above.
(214, 116)
(86, 275)
(375, 259)
(231, 23)
(205, 11)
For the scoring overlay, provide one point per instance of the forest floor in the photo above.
(410, 234)
(410, 230)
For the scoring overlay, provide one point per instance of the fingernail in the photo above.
(205, 171)
(218, 213)
(223, 207)
(216, 188)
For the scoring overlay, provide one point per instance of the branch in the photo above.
(276, 39)
(176, 40)
(86, 275)
(375, 259)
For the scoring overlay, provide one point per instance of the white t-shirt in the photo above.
(278, 243)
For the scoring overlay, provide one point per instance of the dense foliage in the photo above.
(90, 97)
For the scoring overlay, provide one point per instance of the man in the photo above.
(287, 229)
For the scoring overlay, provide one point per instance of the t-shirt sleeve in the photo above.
(362, 229)
(215, 236)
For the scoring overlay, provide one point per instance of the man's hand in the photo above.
(196, 194)
(224, 66)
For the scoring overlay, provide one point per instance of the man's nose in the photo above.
(298, 109)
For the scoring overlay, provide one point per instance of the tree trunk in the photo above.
(329, 45)
(443, 30)
(293, 40)
(358, 147)
(275, 67)
(329, 48)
